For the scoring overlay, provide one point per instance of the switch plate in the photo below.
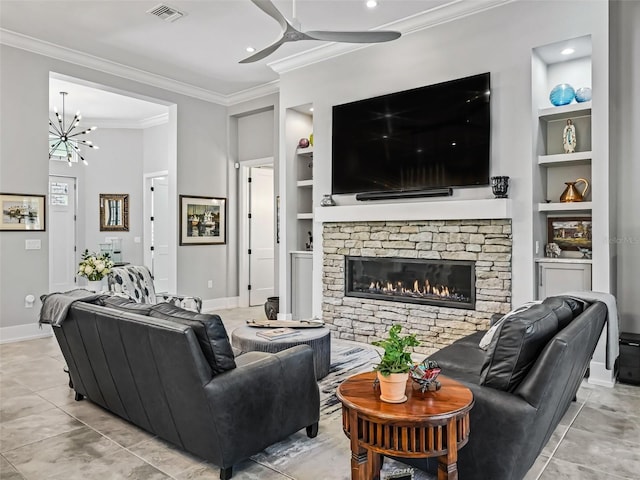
(32, 244)
(210, 284)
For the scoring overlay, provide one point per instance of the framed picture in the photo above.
(22, 212)
(114, 212)
(570, 233)
(203, 220)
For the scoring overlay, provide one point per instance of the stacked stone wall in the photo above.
(487, 242)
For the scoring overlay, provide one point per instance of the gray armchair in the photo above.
(136, 282)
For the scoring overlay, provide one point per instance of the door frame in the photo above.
(76, 205)
(243, 237)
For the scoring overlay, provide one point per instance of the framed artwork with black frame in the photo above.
(22, 212)
(203, 220)
(570, 233)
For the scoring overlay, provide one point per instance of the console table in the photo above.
(429, 424)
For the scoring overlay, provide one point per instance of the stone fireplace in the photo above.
(448, 283)
(441, 279)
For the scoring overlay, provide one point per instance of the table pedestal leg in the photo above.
(374, 464)
(359, 457)
(448, 464)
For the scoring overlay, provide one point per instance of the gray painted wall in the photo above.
(201, 170)
(255, 136)
(155, 143)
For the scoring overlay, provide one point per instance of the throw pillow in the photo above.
(561, 308)
(209, 330)
(516, 346)
(485, 341)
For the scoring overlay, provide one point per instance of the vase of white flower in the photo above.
(95, 267)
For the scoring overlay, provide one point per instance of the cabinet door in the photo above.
(301, 289)
(557, 278)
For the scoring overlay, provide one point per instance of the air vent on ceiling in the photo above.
(166, 13)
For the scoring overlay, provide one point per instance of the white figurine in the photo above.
(569, 137)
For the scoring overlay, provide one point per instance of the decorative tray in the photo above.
(285, 323)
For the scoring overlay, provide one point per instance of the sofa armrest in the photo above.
(264, 401)
(183, 301)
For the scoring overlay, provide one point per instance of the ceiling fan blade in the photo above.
(354, 37)
(265, 52)
(270, 9)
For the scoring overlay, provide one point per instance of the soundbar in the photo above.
(432, 192)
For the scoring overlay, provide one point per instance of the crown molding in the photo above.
(253, 93)
(153, 121)
(30, 44)
(415, 23)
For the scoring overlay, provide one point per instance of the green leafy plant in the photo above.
(396, 357)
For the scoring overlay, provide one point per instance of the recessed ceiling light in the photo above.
(372, 3)
(568, 51)
(250, 49)
(311, 109)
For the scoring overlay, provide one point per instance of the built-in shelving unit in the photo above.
(304, 186)
(565, 207)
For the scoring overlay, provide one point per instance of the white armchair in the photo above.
(136, 282)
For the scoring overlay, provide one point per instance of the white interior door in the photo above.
(261, 235)
(62, 233)
(160, 233)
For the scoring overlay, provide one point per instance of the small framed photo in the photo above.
(569, 233)
(203, 220)
(22, 212)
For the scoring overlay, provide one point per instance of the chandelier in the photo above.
(61, 138)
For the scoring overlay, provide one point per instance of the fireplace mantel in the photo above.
(484, 209)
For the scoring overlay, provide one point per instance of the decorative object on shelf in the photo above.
(569, 138)
(499, 186)
(583, 94)
(203, 220)
(303, 143)
(20, 212)
(570, 233)
(327, 201)
(562, 94)
(586, 252)
(62, 143)
(114, 212)
(425, 374)
(95, 267)
(571, 193)
(272, 307)
(552, 250)
(309, 245)
(395, 364)
(311, 139)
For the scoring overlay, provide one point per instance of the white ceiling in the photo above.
(203, 48)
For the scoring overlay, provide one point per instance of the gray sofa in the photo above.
(523, 384)
(172, 373)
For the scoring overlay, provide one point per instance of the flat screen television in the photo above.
(417, 140)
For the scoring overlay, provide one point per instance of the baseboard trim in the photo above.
(18, 333)
(220, 303)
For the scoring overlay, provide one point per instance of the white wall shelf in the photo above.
(305, 183)
(305, 152)
(576, 158)
(555, 113)
(565, 207)
(563, 260)
(304, 216)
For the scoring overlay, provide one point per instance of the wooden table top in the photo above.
(358, 392)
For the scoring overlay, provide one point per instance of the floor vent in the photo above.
(166, 13)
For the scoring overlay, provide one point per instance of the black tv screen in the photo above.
(430, 137)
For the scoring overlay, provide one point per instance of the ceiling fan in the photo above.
(291, 33)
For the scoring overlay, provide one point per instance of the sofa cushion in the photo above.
(516, 345)
(485, 341)
(125, 304)
(561, 308)
(209, 330)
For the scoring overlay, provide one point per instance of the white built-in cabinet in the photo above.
(556, 276)
(301, 279)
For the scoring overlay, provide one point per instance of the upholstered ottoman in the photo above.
(319, 339)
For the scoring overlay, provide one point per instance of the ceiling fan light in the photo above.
(250, 49)
(372, 3)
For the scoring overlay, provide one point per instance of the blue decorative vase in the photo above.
(562, 94)
(583, 94)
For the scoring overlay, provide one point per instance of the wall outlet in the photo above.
(210, 284)
(32, 245)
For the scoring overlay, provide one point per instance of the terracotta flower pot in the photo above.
(392, 387)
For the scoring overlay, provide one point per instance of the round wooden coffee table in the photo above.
(429, 424)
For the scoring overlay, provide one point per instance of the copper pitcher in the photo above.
(571, 193)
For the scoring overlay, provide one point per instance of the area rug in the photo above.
(328, 456)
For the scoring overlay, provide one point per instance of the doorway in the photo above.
(62, 233)
(157, 234)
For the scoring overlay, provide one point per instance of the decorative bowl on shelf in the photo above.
(425, 374)
(583, 94)
(562, 94)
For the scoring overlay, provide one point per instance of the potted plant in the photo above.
(95, 267)
(395, 363)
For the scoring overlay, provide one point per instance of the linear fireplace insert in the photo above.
(449, 283)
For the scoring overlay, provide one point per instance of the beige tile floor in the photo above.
(45, 434)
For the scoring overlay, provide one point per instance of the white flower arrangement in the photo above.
(94, 267)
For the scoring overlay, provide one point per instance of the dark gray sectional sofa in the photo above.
(523, 384)
(173, 373)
